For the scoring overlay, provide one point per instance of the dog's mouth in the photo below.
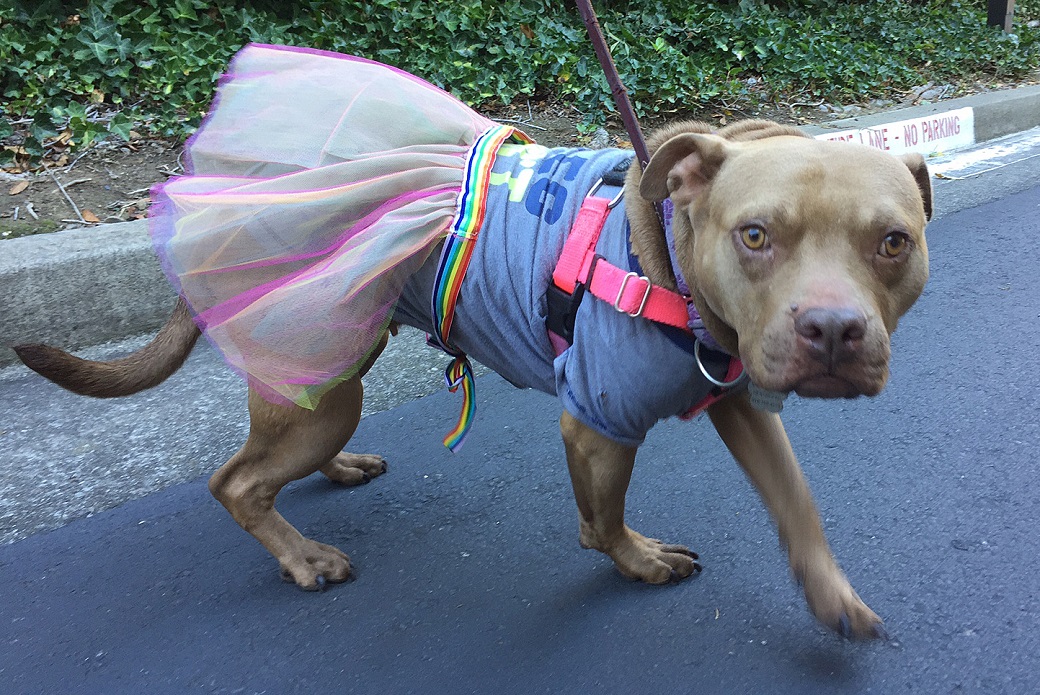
(782, 367)
(827, 386)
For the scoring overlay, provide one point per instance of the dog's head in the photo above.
(801, 255)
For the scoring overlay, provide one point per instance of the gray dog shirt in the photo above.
(621, 374)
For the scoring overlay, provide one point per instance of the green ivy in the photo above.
(97, 67)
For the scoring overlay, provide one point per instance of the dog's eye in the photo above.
(753, 237)
(893, 244)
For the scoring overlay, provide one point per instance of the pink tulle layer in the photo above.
(317, 185)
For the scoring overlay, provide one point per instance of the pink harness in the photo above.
(580, 269)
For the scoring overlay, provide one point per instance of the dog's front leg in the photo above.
(759, 443)
(600, 472)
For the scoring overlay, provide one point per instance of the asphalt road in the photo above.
(470, 576)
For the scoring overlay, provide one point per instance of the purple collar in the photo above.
(696, 323)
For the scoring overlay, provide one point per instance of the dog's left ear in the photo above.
(683, 167)
(919, 169)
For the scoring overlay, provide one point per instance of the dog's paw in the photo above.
(312, 565)
(354, 469)
(837, 605)
(652, 561)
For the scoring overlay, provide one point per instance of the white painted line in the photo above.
(1008, 150)
(927, 135)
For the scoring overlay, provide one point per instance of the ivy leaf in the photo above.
(42, 128)
(121, 126)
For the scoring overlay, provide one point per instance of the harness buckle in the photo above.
(621, 291)
(562, 306)
(561, 310)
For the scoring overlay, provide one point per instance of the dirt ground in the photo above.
(110, 181)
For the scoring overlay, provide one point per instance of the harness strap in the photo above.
(580, 269)
(733, 373)
(455, 257)
(629, 292)
(635, 295)
(580, 247)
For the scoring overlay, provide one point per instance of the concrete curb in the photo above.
(88, 286)
(996, 114)
(80, 287)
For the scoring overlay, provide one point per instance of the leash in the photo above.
(572, 288)
(617, 89)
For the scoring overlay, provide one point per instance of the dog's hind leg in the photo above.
(287, 443)
(357, 469)
(354, 469)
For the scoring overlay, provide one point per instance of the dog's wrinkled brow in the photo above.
(773, 215)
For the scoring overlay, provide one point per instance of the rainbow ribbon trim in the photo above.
(455, 257)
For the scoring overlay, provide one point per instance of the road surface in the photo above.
(470, 578)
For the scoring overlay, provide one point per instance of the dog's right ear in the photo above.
(682, 167)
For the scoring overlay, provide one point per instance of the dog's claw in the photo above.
(383, 467)
(321, 583)
(365, 478)
(674, 577)
(844, 627)
(680, 549)
(881, 633)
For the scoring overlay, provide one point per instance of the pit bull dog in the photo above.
(800, 257)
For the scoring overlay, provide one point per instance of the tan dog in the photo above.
(801, 256)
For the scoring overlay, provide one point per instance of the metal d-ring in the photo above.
(704, 371)
(614, 201)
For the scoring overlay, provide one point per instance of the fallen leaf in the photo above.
(97, 97)
(90, 217)
(528, 32)
(18, 188)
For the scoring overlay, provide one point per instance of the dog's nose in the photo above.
(833, 334)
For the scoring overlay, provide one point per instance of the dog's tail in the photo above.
(148, 367)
